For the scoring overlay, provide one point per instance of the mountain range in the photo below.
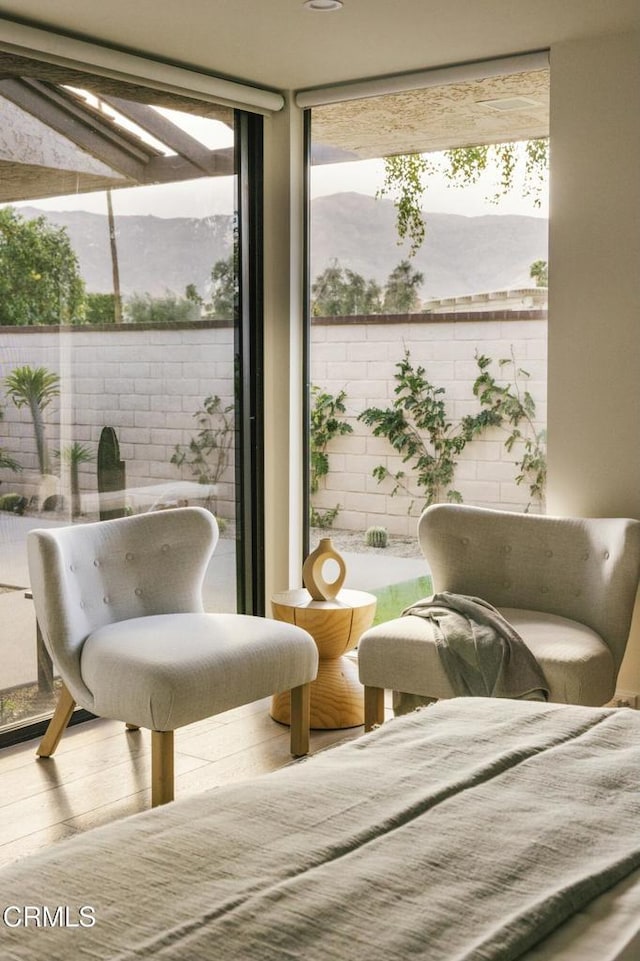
(461, 255)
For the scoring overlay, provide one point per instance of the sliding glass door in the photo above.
(129, 327)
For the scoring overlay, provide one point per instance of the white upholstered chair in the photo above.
(567, 585)
(119, 604)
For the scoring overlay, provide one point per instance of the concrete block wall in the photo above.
(361, 358)
(146, 383)
(149, 382)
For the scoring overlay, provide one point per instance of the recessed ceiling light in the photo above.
(323, 5)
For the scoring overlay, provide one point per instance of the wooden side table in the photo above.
(336, 626)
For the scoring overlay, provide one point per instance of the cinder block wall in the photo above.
(148, 383)
(361, 357)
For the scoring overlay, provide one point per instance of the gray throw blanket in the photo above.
(482, 654)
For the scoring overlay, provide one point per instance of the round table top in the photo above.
(345, 599)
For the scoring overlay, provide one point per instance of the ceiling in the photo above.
(470, 113)
(280, 44)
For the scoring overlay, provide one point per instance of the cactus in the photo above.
(111, 471)
(377, 537)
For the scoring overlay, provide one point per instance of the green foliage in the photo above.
(6, 461)
(513, 408)
(401, 290)
(340, 292)
(393, 600)
(406, 178)
(35, 388)
(403, 180)
(419, 430)
(39, 274)
(362, 296)
(170, 309)
(465, 165)
(13, 503)
(191, 293)
(225, 291)
(539, 271)
(536, 168)
(376, 537)
(74, 455)
(326, 423)
(208, 452)
(9, 462)
(100, 309)
(421, 433)
(323, 519)
(26, 385)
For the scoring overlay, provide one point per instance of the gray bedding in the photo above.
(465, 832)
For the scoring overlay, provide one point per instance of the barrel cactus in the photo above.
(377, 537)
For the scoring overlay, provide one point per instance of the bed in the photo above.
(473, 830)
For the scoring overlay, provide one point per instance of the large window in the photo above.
(428, 297)
(124, 335)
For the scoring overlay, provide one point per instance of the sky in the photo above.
(214, 195)
(367, 176)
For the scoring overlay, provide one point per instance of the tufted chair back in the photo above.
(88, 575)
(585, 569)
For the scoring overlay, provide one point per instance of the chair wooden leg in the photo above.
(373, 707)
(132, 727)
(57, 724)
(300, 719)
(161, 767)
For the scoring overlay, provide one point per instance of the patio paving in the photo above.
(366, 572)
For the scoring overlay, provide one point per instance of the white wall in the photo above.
(283, 348)
(594, 296)
(148, 384)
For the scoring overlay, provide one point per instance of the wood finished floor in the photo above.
(101, 772)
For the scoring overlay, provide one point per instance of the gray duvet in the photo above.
(466, 832)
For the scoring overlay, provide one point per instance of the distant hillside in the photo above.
(155, 254)
(461, 255)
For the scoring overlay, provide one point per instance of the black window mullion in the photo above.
(249, 366)
(306, 372)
